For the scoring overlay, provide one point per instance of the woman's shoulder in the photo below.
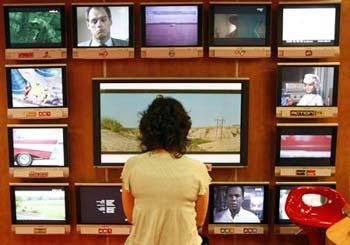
(193, 162)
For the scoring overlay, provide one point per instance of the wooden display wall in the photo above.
(262, 124)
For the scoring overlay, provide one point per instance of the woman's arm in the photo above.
(128, 204)
(201, 209)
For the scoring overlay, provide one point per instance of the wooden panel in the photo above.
(262, 121)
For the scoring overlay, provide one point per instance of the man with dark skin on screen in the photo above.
(235, 213)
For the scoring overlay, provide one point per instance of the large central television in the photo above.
(35, 31)
(238, 207)
(307, 90)
(38, 150)
(103, 30)
(308, 29)
(100, 210)
(218, 108)
(37, 91)
(239, 30)
(171, 30)
(306, 150)
(40, 208)
(283, 225)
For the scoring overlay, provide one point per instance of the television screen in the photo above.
(38, 147)
(311, 85)
(171, 25)
(36, 86)
(218, 111)
(282, 192)
(103, 26)
(33, 26)
(238, 204)
(309, 146)
(309, 24)
(39, 204)
(100, 205)
(239, 25)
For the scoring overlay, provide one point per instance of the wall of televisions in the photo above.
(262, 82)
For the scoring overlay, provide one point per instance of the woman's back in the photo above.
(165, 191)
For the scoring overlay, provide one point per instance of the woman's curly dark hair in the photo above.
(165, 125)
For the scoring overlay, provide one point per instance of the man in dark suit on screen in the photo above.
(99, 21)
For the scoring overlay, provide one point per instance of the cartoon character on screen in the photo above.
(36, 93)
(235, 213)
(99, 22)
(311, 87)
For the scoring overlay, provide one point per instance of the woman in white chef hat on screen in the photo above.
(311, 87)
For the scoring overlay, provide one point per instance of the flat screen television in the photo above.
(218, 108)
(100, 204)
(37, 91)
(40, 203)
(35, 31)
(171, 30)
(307, 90)
(100, 209)
(306, 145)
(103, 31)
(38, 146)
(308, 29)
(282, 191)
(239, 30)
(238, 205)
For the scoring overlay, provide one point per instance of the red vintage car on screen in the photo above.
(27, 150)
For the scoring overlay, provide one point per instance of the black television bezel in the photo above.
(29, 7)
(11, 147)
(9, 85)
(265, 220)
(111, 4)
(200, 24)
(279, 83)
(79, 204)
(211, 39)
(306, 130)
(13, 188)
(244, 114)
(278, 189)
(335, 43)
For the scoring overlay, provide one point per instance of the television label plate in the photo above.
(240, 52)
(306, 112)
(172, 52)
(104, 229)
(36, 54)
(103, 53)
(308, 52)
(304, 171)
(37, 113)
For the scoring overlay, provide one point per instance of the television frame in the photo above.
(115, 52)
(37, 112)
(99, 228)
(306, 167)
(43, 171)
(286, 227)
(239, 228)
(306, 50)
(307, 111)
(244, 50)
(168, 84)
(40, 227)
(172, 52)
(27, 52)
